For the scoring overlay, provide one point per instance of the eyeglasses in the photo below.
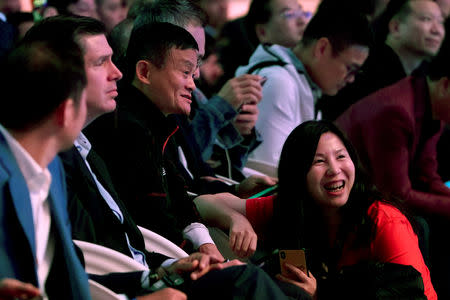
(295, 14)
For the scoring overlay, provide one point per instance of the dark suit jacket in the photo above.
(92, 219)
(6, 38)
(17, 237)
(396, 138)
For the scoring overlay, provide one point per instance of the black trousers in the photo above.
(238, 282)
(242, 282)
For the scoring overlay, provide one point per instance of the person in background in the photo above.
(86, 8)
(395, 131)
(333, 48)
(210, 69)
(9, 6)
(22, 22)
(414, 34)
(217, 14)
(279, 22)
(111, 12)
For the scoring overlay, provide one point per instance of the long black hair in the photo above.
(296, 216)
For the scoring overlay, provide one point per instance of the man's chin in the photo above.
(111, 106)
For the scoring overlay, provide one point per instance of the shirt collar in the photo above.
(83, 145)
(36, 177)
(317, 92)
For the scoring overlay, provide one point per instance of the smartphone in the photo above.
(293, 257)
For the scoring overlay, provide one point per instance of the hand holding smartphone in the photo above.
(293, 257)
(239, 110)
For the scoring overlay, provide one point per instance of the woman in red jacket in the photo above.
(325, 205)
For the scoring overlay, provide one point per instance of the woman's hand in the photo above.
(299, 278)
(243, 239)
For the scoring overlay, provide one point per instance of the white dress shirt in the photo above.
(38, 182)
(84, 146)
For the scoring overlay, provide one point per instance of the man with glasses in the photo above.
(331, 51)
(279, 22)
(414, 33)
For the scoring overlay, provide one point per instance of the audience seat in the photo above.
(99, 292)
(156, 243)
(101, 260)
(262, 167)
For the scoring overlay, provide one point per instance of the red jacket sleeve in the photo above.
(259, 212)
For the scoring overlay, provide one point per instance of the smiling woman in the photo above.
(331, 210)
(326, 206)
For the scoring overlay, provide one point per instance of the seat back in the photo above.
(262, 167)
(101, 260)
(159, 244)
(99, 292)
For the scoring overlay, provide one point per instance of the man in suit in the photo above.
(44, 110)
(395, 131)
(102, 210)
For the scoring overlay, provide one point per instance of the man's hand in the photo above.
(12, 289)
(243, 89)
(196, 264)
(164, 294)
(246, 119)
(299, 278)
(254, 184)
(243, 239)
(212, 251)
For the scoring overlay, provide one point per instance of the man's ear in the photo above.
(65, 112)
(321, 47)
(260, 33)
(143, 69)
(393, 26)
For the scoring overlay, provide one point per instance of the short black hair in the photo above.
(153, 42)
(58, 28)
(37, 77)
(177, 12)
(342, 28)
(366, 7)
(259, 12)
(394, 9)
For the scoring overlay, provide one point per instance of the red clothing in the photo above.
(394, 242)
(395, 137)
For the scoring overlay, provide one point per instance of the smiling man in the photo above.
(332, 49)
(136, 142)
(414, 35)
